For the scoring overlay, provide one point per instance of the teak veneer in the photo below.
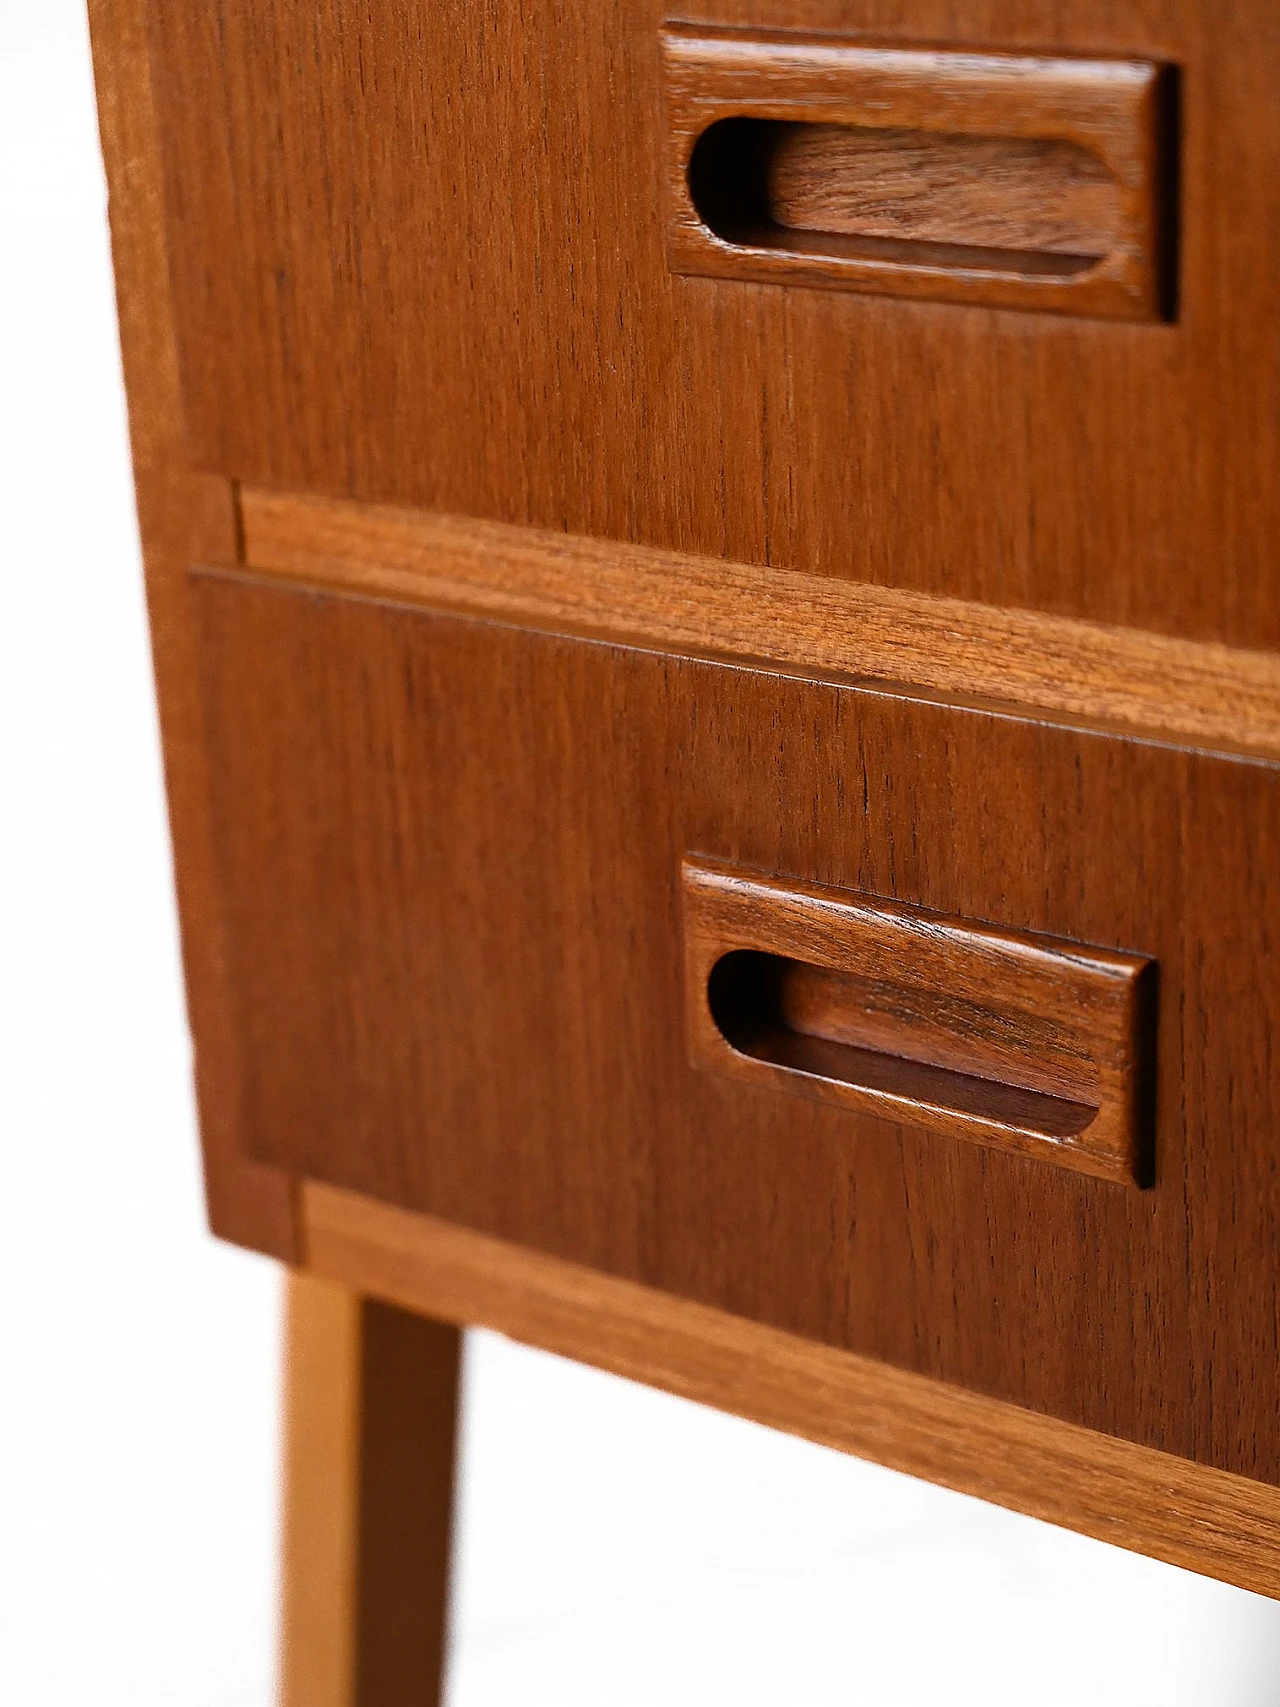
(1151, 1502)
(421, 259)
(1221, 698)
(520, 541)
(452, 856)
(1012, 180)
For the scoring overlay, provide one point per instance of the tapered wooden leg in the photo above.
(370, 1416)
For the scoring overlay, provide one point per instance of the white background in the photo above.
(616, 1546)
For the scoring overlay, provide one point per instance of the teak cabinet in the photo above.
(715, 603)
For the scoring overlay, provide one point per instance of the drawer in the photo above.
(454, 862)
(443, 256)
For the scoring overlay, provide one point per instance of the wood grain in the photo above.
(370, 1417)
(1187, 1514)
(947, 188)
(1031, 1044)
(994, 192)
(418, 257)
(451, 851)
(428, 867)
(1193, 694)
(182, 514)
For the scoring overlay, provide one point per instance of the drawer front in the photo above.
(423, 254)
(452, 858)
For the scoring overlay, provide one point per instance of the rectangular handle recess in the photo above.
(1028, 1043)
(1010, 179)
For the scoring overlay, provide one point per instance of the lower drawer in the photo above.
(455, 869)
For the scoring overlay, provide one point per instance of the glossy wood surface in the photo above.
(1220, 1525)
(1017, 181)
(418, 256)
(451, 853)
(991, 192)
(1032, 1044)
(428, 865)
(1193, 694)
(181, 514)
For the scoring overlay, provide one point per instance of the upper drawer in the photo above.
(420, 253)
(459, 927)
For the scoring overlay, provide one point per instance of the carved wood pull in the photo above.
(1027, 1043)
(1020, 181)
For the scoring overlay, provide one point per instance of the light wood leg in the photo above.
(370, 1417)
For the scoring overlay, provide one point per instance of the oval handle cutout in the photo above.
(914, 197)
(884, 1040)
(1024, 1042)
(1015, 180)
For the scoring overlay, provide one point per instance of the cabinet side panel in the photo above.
(181, 514)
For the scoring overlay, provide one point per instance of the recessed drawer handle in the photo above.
(1024, 1042)
(1004, 178)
